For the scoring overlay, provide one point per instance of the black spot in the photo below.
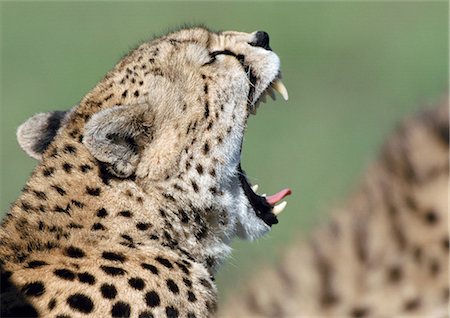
(191, 296)
(58, 189)
(35, 264)
(164, 261)
(412, 304)
(206, 109)
(205, 88)
(113, 256)
(171, 312)
(127, 237)
(34, 289)
(183, 268)
(93, 191)
(431, 217)
(152, 299)
(64, 273)
(86, 278)
(143, 226)
(136, 93)
(205, 148)
(74, 133)
(417, 254)
(51, 304)
(113, 271)
(26, 206)
(125, 93)
(98, 227)
(137, 283)
(173, 287)
(74, 252)
(183, 215)
(446, 244)
(187, 282)
(121, 309)
(205, 283)
(150, 267)
(213, 190)
(47, 172)
(194, 185)
(67, 167)
(70, 149)
(146, 314)
(102, 213)
(395, 274)
(40, 195)
(78, 204)
(191, 315)
(434, 267)
(85, 168)
(359, 312)
(62, 210)
(126, 214)
(199, 169)
(81, 303)
(108, 291)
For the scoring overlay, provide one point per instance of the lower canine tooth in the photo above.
(255, 188)
(279, 208)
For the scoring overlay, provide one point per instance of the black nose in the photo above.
(262, 40)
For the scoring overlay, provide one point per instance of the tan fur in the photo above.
(384, 253)
(137, 194)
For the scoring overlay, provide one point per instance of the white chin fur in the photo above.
(249, 226)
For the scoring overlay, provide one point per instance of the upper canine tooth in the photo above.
(255, 188)
(279, 208)
(280, 88)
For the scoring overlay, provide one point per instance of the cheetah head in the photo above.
(172, 115)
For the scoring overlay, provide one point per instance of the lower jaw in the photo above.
(259, 204)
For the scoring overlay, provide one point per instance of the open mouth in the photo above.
(266, 207)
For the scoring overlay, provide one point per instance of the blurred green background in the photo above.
(352, 70)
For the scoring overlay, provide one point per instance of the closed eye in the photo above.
(213, 55)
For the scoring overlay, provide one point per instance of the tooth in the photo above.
(280, 88)
(271, 93)
(255, 188)
(279, 208)
(263, 195)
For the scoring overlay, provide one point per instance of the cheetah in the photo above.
(385, 253)
(139, 188)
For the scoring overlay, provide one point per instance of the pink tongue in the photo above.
(274, 199)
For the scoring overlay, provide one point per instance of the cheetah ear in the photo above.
(37, 132)
(116, 135)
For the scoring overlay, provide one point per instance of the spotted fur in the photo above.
(138, 192)
(385, 253)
